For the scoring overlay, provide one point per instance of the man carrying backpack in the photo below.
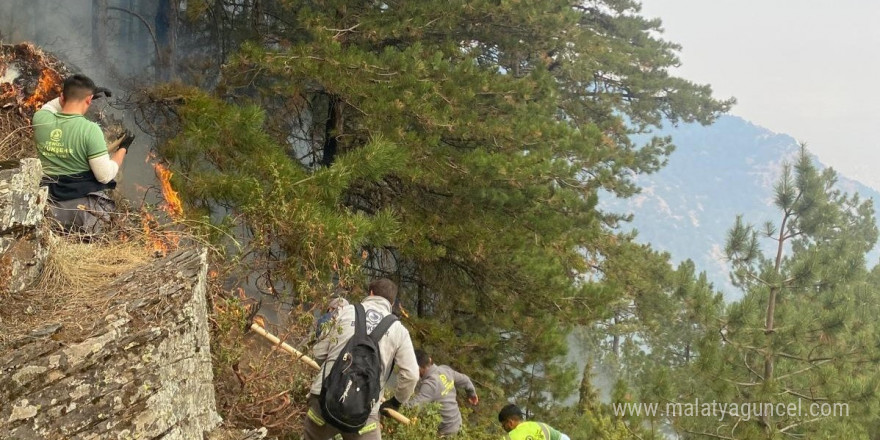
(439, 384)
(344, 396)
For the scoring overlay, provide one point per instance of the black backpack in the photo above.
(352, 388)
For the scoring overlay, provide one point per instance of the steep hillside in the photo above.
(715, 173)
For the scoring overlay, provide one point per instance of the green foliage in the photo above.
(230, 168)
(426, 419)
(591, 419)
(456, 147)
(803, 332)
(229, 321)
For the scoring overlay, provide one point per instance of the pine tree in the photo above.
(456, 147)
(803, 332)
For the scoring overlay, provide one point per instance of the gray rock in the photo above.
(145, 374)
(23, 244)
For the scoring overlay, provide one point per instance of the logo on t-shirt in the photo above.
(373, 319)
(448, 385)
(55, 135)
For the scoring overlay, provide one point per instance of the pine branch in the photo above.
(793, 425)
(803, 396)
(757, 278)
(743, 384)
(709, 435)
(631, 432)
(804, 369)
(748, 367)
(798, 358)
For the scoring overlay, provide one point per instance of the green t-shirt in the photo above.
(534, 431)
(65, 142)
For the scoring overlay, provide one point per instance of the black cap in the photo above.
(102, 91)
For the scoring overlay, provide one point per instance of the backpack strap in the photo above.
(379, 331)
(360, 327)
(360, 320)
(382, 327)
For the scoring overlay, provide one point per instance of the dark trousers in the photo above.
(315, 428)
(88, 215)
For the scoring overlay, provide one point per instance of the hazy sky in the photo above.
(807, 68)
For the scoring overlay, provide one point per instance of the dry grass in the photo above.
(257, 385)
(16, 136)
(71, 288)
(84, 267)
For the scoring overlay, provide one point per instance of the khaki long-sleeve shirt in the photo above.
(395, 347)
(440, 385)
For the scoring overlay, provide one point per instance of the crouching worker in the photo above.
(439, 383)
(77, 164)
(512, 420)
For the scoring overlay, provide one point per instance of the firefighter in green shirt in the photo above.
(511, 418)
(77, 163)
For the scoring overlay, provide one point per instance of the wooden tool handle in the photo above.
(311, 362)
(284, 346)
(397, 416)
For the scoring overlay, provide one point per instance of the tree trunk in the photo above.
(615, 339)
(257, 16)
(99, 29)
(771, 312)
(166, 35)
(219, 34)
(421, 301)
(332, 130)
(130, 26)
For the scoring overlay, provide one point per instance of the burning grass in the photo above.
(28, 78)
(34, 75)
(173, 204)
(71, 291)
(79, 268)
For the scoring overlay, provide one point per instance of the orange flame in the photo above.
(164, 241)
(49, 84)
(160, 248)
(173, 204)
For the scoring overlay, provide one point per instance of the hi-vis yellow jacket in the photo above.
(535, 431)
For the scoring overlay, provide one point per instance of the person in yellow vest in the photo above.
(511, 418)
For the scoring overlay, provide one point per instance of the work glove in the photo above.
(102, 91)
(128, 138)
(391, 403)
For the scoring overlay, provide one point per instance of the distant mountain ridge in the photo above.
(714, 174)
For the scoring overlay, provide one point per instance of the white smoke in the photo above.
(10, 74)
